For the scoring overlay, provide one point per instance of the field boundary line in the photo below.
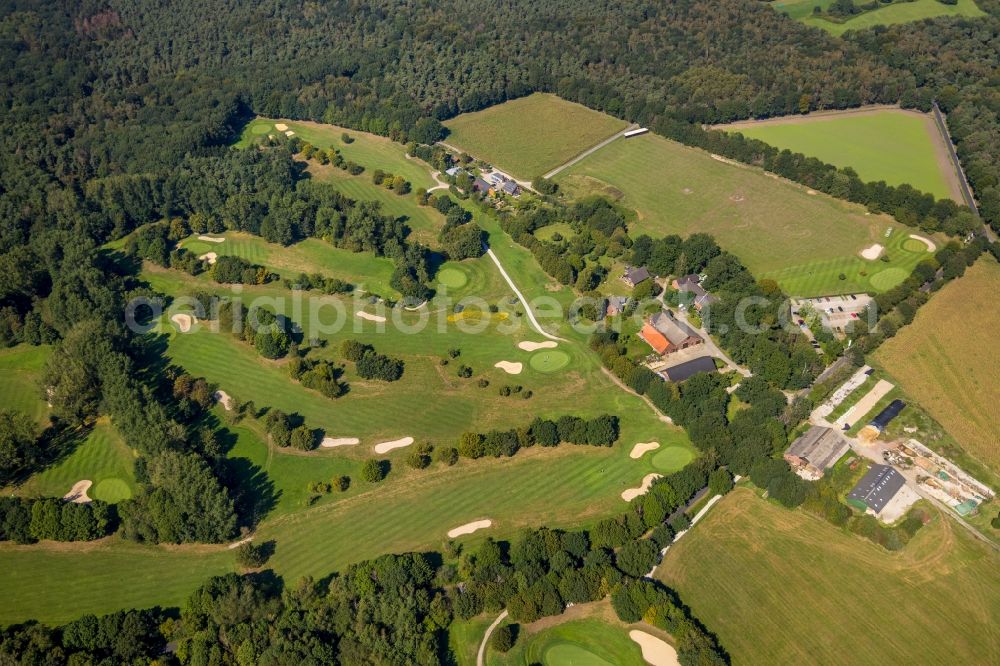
(589, 151)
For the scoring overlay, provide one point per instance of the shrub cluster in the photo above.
(599, 431)
(370, 364)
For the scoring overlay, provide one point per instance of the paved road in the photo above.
(590, 150)
(970, 200)
(709, 347)
(520, 297)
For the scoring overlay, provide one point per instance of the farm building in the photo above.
(496, 178)
(634, 276)
(511, 188)
(635, 132)
(454, 171)
(691, 284)
(480, 185)
(685, 370)
(817, 450)
(887, 415)
(875, 489)
(666, 335)
(616, 305)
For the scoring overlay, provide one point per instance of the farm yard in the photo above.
(897, 12)
(803, 240)
(890, 144)
(948, 360)
(759, 574)
(557, 132)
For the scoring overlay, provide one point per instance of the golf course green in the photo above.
(549, 360)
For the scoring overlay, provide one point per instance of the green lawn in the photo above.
(778, 229)
(529, 136)
(844, 599)
(898, 12)
(20, 368)
(588, 641)
(102, 457)
(892, 145)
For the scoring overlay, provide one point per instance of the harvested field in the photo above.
(845, 599)
(948, 360)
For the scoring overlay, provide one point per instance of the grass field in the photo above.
(948, 360)
(893, 145)
(20, 368)
(102, 458)
(898, 12)
(758, 575)
(585, 642)
(779, 230)
(529, 136)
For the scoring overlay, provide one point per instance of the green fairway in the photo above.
(529, 136)
(311, 255)
(20, 368)
(821, 278)
(889, 144)
(59, 582)
(102, 457)
(847, 599)
(898, 12)
(597, 639)
(671, 459)
(778, 229)
(549, 360)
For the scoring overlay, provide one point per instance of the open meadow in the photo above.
(781, 586)
(948, 360)
(889, 144)
(897, 12)
(803, 239)
(529, 136)
(20, 368)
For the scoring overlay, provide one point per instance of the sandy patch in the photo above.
(812, 192)
(642, 448)
(469, 528)
(385, 447)
(510, 367)
(281, 127)
(289, 133)
(210, 257)
(211, 239)
(655, 651)
(78, 493)
(224, 399)
(872, 253)
(866, 404)
(535, 346)
(647, 481)
(369, 316)
(331, 442)
(183, 322)
(926, 241)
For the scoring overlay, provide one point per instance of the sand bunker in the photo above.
(210, 257)
(510, 367)
(289, 133)
(642, 448)
(535, 346)
(385, 447)
(281, 127)
(211, 239)
(369, 316)
(183, 322)
(812, 192)
(469, 528)
(78, 493)
(926, 241)
(647, 481)
(330, 442)
(224, 399)
(872, 253)
(655, 651)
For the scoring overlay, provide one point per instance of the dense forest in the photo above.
(119, 114)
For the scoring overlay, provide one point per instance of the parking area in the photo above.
(836, 312)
